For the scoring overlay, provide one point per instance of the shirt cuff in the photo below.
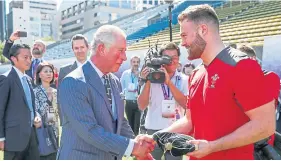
(2, 139)
(130, 148)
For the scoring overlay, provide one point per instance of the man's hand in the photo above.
(2, 145)
(144, 73)
(37, 122)
(147, 157)
(202, 148)
(14, 36)
(144, 144)
(167, 77)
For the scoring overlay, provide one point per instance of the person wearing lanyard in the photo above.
(163, 100)
(129, 82)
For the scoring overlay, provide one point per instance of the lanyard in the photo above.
(132, 77)
(167, 93)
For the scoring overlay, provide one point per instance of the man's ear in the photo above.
(13, 59)
(203, 30)
(101, 49)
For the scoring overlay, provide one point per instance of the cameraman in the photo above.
(171, 94)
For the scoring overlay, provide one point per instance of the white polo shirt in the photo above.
(154, 119)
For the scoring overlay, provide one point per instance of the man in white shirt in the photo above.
(129, 82)
(165, 101)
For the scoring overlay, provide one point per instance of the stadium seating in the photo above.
(263, 19)
(62, 49)
(240, 22)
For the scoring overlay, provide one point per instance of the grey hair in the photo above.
(106, 35)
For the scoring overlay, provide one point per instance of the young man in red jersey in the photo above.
(229, 109)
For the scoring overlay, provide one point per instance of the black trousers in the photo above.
(133, 115)
(31, 151)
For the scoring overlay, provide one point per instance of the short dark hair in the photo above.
(79, 37)
(14, 51)
(200, 13)
(189, 65)
(247, 49)
(169, 46)
(38, 80)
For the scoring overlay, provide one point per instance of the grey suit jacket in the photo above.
(15, 116)
(65, 70)
(89, 130)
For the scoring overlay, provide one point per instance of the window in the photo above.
(81, 5)
(75, 8)
(68, 10)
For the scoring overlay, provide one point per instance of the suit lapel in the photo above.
(73, 66)
(18, 81)
(95, 81)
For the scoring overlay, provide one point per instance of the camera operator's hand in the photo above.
(167, 77)
(144, 73)
(14, 36)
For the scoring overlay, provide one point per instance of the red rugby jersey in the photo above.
(219, 96)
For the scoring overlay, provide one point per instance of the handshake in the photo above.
(144, 144)
(173, 143)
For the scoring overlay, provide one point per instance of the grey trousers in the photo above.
(158, 152)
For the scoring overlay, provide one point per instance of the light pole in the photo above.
(170, 2)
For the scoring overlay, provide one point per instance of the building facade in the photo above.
(76, 18)
(33, 16)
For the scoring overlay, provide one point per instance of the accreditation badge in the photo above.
(131, 87)
(168, 108)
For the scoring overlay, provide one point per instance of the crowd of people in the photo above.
(227, 103)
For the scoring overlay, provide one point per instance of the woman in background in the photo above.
(46, 104)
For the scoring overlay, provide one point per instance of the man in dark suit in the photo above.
(80, 49)
(38, 50)
(18, 118)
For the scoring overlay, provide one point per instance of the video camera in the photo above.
(153, 60)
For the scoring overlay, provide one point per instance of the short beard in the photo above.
(196, 48)
(36, 52)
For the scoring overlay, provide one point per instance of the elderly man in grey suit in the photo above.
(80, 48)
(94, 126)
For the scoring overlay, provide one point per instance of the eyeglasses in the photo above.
(175, 59)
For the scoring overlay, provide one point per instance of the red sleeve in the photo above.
(249, 85)
(273, 82)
